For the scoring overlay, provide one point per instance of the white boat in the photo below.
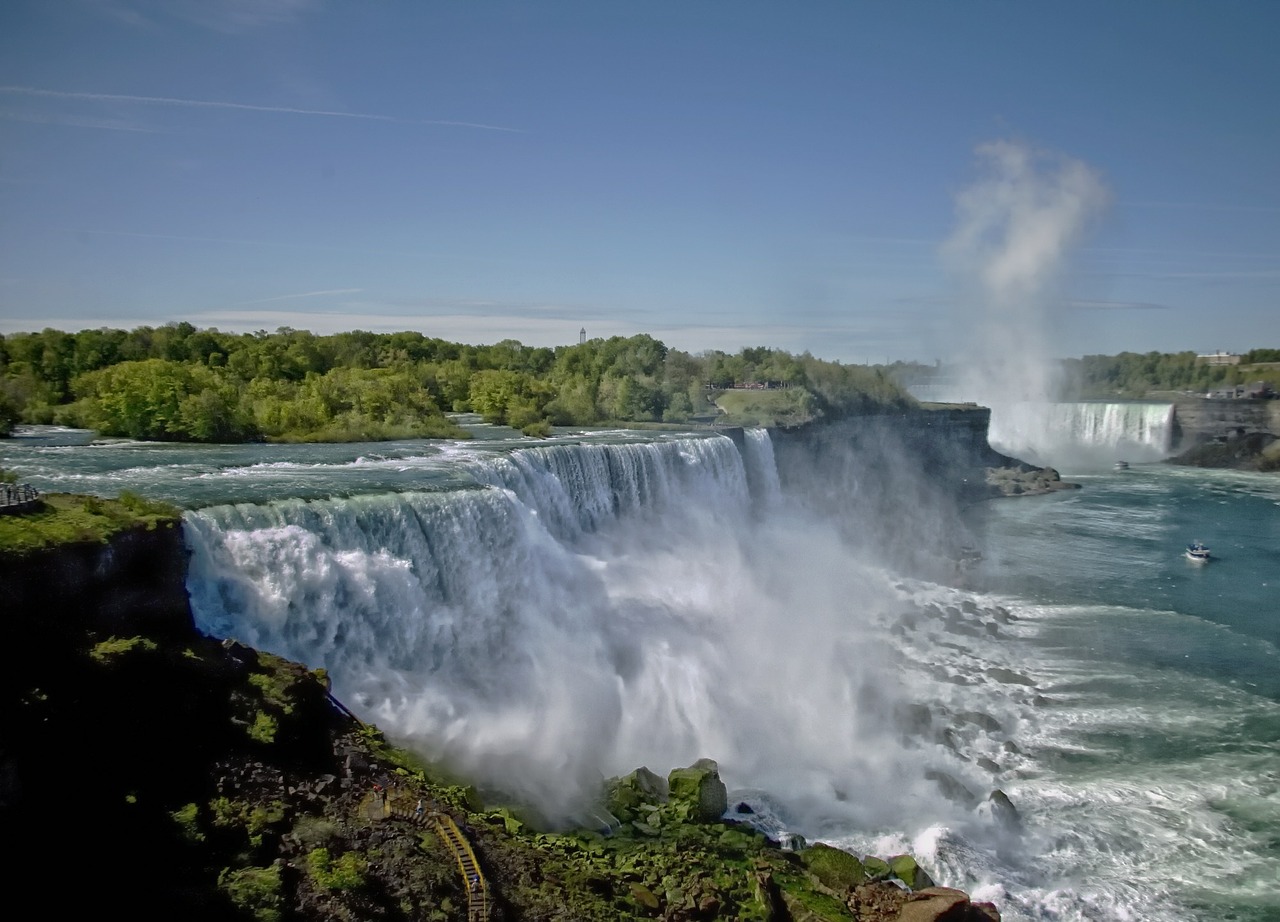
(1198, 552)
(1122, 465)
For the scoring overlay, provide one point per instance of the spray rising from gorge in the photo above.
(1017, 227)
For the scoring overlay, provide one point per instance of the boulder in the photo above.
(834, 868)
(1004, 812)
(904, 868)
(935, 904)
(700, 789)
(626, 796)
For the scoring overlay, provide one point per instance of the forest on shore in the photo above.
(180, 383)
(1136, 375)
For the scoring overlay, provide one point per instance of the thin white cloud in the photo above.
(226, 16)
(74, 121)
(1203, 206)
(1117, 306)
(1207, 274)
(307, 294)
(240, 106)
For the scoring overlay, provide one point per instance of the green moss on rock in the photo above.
(835, 868)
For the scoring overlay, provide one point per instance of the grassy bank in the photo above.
(63, 518)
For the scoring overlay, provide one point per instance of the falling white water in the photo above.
(1079, 436)
(762, 469)
(591, 609)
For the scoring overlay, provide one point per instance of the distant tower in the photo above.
(582, 336)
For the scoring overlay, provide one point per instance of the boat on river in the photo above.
(1198, 552)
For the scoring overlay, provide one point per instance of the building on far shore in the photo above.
(1219, 358)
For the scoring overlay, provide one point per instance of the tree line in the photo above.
(180, 383)
(1132, 374)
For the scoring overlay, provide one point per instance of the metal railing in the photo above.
(17, 497)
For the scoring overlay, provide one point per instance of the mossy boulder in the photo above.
(835, 869)
(699, 790)
(876, 868)
(904, 868)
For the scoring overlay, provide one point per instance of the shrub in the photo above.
(187, 819)
(346, 872)
(255, 890)
(264, 728)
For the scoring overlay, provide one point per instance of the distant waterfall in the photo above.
(1082, 434)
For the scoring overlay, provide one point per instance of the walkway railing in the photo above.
(477, 889)
(18, 497)
(385, 804)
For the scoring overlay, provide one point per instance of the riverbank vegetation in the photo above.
(62, 518)
(180, 383)
(1135, 375)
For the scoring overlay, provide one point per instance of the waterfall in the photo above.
(580, 610)
(1082, 434)
(762, 468)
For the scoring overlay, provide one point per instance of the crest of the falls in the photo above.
(1082, 435)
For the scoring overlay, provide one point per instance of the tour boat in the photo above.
(1197, 552)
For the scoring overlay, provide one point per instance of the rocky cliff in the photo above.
(1201, 419)
(1236, 433)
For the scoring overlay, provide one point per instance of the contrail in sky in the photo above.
(246, 107)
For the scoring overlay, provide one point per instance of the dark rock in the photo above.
(1005, 813)
(951, 788)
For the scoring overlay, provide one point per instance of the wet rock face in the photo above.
(1198, 419)
(133, 584)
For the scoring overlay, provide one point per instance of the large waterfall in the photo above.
(1075, 435)
(583, 609)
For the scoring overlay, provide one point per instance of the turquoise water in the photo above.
(1119, 542)
(1160, 731)
(569, 609)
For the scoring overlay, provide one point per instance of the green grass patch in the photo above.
(114, 647)
(789, 406)
(69, 518)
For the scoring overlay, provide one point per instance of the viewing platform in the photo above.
(17, 498)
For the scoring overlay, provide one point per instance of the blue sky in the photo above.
(838, 177)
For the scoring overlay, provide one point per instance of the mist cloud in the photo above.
(1016, 227)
